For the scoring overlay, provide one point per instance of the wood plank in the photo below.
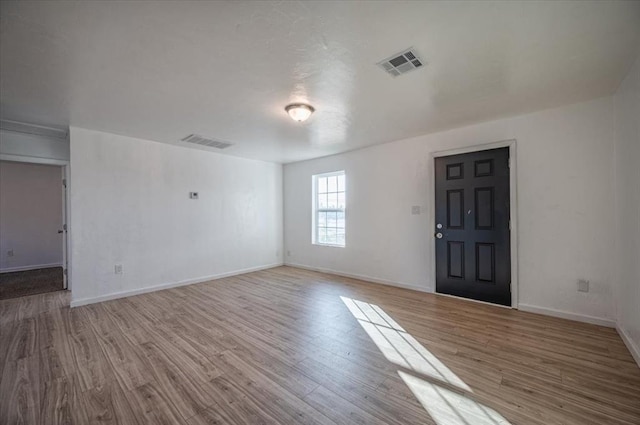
(188, 395)
(275, 399)
(108, 404)
(233, 407)
(20, 392)
(62, 403)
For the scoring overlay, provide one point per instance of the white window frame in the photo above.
(315, 210)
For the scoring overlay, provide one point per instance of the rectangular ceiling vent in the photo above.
(401, 63)
(34, 129)
(203, 141)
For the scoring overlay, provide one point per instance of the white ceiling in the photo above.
(226, 70)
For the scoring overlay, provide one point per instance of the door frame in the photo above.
(66, 205)
(513, 208)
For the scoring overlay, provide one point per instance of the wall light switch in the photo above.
(415, 210)
(193, 195)
(10, 253)
(117, 269)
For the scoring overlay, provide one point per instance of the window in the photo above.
(329, 209)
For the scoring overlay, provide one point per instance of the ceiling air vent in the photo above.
(203, 141)
(401, 63)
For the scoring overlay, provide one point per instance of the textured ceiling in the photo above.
(163, 70)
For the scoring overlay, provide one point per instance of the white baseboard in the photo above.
(123, 294)
(567, 315)
(26, 268)
(523, 307)
(631, 345)
(361, 277)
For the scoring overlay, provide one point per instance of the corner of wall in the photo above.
(631, 345)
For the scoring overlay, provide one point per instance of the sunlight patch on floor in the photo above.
(448, 407)
(398, 346)
(445, 406)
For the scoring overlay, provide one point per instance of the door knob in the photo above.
(60, 231)
(438, 235)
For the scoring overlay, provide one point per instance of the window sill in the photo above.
(328, 244)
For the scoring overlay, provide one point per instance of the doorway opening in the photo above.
(475, 245)
(33, 228)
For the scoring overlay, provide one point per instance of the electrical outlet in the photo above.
(288, 253)
(117, 269)
(415, 210)
(193, 195)
(10, 253)
(583, 285)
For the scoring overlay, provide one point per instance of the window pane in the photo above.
(341, 237)
(331, 219)
(333, 200)
(322, 185)
(322, 235)
(341, 200)
(340, 221)
(322, 219)
(322, 201)
(332, 184)
(332, 235)
(341, 183)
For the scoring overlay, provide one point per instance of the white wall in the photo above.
(130, 205)
(28, 145)
(565, 198)
(627, 176)
(30, 216)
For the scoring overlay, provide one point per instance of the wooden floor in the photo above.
(289, 346)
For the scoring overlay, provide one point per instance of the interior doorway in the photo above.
(33, 228)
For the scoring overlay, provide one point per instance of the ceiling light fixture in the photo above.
(299, 111)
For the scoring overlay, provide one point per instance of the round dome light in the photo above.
(299, 111)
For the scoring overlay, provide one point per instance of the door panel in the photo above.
(455, 209)
(473, 253)
(455, 260)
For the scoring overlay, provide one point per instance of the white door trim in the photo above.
(513, 210)
(66, 204)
